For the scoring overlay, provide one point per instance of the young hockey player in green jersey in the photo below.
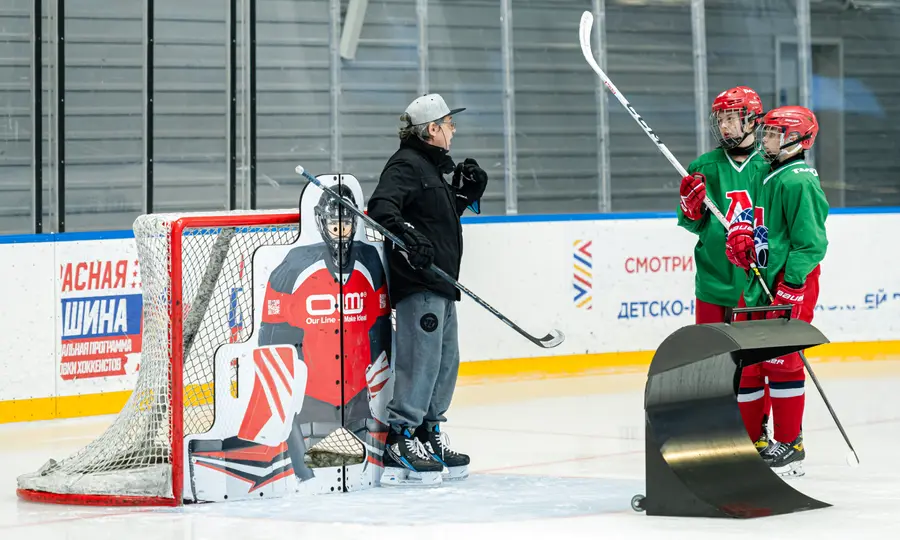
(785, 236)
(725, 175)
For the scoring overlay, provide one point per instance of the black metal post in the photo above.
(148, 107)
(252, 67)
(232, 105)
(37, 113)
(61, 115)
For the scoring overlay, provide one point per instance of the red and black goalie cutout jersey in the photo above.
(312, 305)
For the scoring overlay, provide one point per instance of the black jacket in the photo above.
(412, 189)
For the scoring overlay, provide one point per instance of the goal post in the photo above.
(230, 401)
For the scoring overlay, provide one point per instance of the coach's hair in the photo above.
(407, 128)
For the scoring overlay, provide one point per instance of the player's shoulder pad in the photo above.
(709, 158)
(368, 256)
(303, 256)
(800, 174)
(298, 259)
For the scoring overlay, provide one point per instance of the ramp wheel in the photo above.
(637, 503)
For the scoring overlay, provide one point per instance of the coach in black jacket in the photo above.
(415, 202)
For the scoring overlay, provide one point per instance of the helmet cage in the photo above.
(789, 142)
(336, 225)
(747, 120)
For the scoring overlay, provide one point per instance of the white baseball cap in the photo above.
(429, 108)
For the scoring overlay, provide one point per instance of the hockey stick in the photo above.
(554, 338)
(584, 34)
(830, 410)
(587, 22)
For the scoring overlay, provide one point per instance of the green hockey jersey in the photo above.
(789, 214)
(717, 281)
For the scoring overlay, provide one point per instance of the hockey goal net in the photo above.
(197, 295)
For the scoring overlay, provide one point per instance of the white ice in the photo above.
(554, 458)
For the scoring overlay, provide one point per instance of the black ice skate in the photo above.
(762, 443)
(786, 459)
(438, 444)
(407, 462)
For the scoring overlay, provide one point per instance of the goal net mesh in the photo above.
(133, 457)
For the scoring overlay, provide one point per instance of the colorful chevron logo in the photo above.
(583, 274)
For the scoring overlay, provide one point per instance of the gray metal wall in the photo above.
(15, 124)
(552, 103)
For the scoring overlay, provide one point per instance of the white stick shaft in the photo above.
(587, 22)
(584, 34)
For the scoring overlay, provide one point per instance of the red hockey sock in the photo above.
(750, 403)
(767, 402)
(788, 401)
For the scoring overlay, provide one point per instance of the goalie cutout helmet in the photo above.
(336, 224)
(734, 116)
(785, 131)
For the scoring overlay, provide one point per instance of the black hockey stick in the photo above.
(584, 34)
(554, 338)
(833, 415)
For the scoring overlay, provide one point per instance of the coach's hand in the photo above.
(420, 251)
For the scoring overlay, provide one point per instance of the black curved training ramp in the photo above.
(699, 460)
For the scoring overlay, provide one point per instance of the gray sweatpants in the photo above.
(426, 360)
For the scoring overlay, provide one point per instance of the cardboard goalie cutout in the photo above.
(308, 390)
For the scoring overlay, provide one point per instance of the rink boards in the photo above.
(616, 285)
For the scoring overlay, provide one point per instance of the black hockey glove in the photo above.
(420, 251)
(469, 181)
(471, 174)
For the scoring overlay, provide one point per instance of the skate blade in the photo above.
(456, 473)
(790, 470)
(404, 477)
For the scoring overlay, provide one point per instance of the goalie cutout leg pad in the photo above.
(245, 453)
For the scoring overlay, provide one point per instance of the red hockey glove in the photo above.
(739, 246)
(693, 191)
(787, 294)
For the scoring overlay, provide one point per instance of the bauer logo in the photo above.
(583, 274)
(100, 313)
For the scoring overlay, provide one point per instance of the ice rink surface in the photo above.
(555, 458)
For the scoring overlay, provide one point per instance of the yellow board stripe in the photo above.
(31, 410)
(470, 373)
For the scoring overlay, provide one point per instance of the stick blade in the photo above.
(584, 31)
(587, 20)
(554, 338)
(584, 37)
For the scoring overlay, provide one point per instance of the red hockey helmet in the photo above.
(734, 115)
(791, 125)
